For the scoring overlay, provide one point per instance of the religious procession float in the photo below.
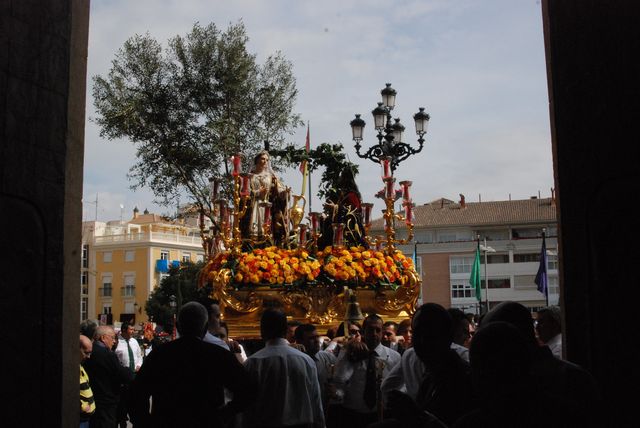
(263, 251)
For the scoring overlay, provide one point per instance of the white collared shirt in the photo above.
(555, 344)
(406, 376)
(122, 352)
(288, 391)
(350, 377)
(461, 351)
(210, 338)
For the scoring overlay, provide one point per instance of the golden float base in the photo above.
(321, 304)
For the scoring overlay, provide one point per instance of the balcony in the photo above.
(128, 291)
(158, 237)
(163, 265)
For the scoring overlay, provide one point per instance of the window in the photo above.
(129, 288)
(129, 256)
(552, 262)
(107, 256)
(496, 258)
(500, 283)
(526, 258)
(85, 256)
(460, 264)
(84, 282)
(164, 254)
(199, 257)
(106, 289)
(106, 309)
(494, 235)
(459, 291)
(527, 233)
(84, 308)
(186, 257)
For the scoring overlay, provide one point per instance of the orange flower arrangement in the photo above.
(280, 267)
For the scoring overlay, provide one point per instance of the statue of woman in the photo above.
(265, 187)
(344, 207)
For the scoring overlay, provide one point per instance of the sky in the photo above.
(477, 67)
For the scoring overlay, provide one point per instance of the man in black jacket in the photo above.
(186, 378)
(107, 377)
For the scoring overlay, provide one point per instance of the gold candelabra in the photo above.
(389, 214)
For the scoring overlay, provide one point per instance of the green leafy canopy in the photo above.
(191, 105)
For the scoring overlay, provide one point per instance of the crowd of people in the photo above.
(441, 368)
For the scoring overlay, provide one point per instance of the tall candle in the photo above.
(245, 188)
(315, 222)
(389, 188)
(366, 213)
(338, 229)
(405, 190)
(237, 163)
(408, 213)
(386, 168)
(303, 234)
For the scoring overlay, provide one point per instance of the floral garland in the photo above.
(276, 267)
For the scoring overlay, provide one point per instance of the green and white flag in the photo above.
(475, 275)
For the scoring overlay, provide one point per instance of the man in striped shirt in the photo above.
(87, 405)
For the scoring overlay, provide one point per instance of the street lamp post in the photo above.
(172, 304)
(486, 277)
(390, 135)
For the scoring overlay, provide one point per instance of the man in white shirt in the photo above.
(307, 336)
(288, 391)
(130, 355)
(213, 328)
(128, 349)
(359, 371)
(549, 329)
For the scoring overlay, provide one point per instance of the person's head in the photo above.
(460, 327)
(307, 336)
(214, 313)
(86, 346)
(261, 161)
(548, 323)
(500, 360)
(273, 324)
(192, 320)
(126, 330)
(389, 330)
(107, 335)
(372, 326)
(223, 331)
(432, 332)
(406, 331)
(292, 325)
(149, 334)
(88, 328)
(514, 313)
(331, 332)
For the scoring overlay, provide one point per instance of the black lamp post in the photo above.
(173, 304)
(390, 135)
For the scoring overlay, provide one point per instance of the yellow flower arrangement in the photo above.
(280, 267)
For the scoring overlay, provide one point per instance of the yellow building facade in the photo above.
(123, 262)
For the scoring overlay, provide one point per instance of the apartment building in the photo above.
(510, 233)
(124, 261)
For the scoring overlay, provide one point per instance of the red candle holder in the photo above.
(406, 185)
(366, 213)
(386, 167)
(408, 213)
(338, 232)
(315, 222)
(390, 192)
(237, 164)
(245, 187)
(302, 235)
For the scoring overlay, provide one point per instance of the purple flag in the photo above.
(541, 276)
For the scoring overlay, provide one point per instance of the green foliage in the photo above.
(329, 156)
(181, 283)
(190, 106)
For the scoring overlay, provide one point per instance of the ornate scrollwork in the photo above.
(228, 298)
